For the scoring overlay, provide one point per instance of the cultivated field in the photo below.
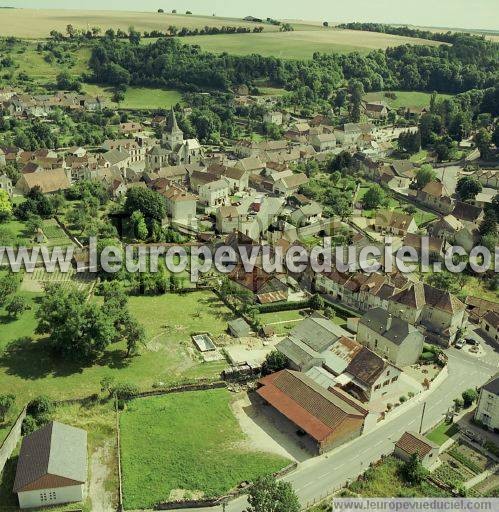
(186, 445)
(301, 44)
(37, 23)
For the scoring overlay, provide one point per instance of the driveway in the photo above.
(320, 476)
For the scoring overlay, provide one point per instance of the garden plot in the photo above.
(37, 281)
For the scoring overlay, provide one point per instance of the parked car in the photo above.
(459, 344)
(471, 341)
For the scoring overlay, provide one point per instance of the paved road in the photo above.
(320, 476)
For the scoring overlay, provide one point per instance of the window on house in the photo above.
(395, 378)
(386, 382)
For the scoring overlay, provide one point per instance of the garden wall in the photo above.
(10, 443)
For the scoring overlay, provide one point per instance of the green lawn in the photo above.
(138, 98)
(28, 369)
(404, 98)
(12, 233)
(442, 432)
(186, 441)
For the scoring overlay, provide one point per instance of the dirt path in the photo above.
(101, 499)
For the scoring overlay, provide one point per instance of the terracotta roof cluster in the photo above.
(314, 409)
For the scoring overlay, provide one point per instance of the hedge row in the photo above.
(283, 306)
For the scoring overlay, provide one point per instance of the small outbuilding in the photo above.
(52, 466)
(413, 443)
(239, 328)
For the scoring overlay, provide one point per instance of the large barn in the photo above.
(52, 466)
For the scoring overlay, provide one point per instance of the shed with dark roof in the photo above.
(52, 466)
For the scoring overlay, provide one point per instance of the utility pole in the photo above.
(422, 417)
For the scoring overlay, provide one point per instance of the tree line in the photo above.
(469, 63)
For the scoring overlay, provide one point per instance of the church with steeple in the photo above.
(174, 150)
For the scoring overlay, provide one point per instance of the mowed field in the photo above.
(186, 445)
(37, 23)
(301, 44)
(404, 98)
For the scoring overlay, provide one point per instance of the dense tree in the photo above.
(269, 495)
(5, 205)
(414, 471)
(409, 142)
(468, 187)
(469, 397)
(6, 404)
(274, 362)
(356, 92)
(16, 306)
(374, 197)
(424, 175)
(8, 285)
(150, 203)
(483, 139)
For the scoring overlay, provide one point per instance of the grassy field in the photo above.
(442, 433)
(404, 98)
(300, 44)
(187, 444)
(37, 23)
(30, 61)
(27, 368)
(138, 98)
(385, 480)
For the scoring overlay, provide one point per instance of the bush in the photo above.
(39, 407)
(124, 391)
(469, 397)
(29, 426)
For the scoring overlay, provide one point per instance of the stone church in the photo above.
(174, 150)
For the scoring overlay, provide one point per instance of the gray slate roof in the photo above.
(492, 386)
(378, 319)
(57, 450)
(309, 339)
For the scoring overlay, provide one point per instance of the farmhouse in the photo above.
(439, 312)
(490, 324)
(52, 466)
(310, 342)
(391, 337)
(328, 419)
(395, 223)
(435, 195)
(48, 181)
(368, 376)
(413, 443)
(487, 410)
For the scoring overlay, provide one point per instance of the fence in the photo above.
(10, 443)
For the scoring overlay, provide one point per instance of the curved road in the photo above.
(320, 476)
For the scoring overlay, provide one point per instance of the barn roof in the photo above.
(54, 456)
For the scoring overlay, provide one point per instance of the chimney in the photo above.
(389, 322)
